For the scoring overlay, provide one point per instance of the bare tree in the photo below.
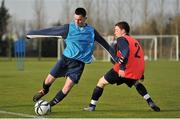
(132, 11)
(106, 17)
(66, 10)
(145, 10)
(177, 12)
(161, 24)
(40, 21)
(39, 13)
(88, 5)
(145, 17)
(98, 16)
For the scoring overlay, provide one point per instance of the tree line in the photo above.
(102, 14)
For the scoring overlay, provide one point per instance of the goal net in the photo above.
(156, 47)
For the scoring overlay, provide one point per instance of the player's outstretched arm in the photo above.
(106, 46)
(57, 32)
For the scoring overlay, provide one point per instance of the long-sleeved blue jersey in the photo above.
(79, 40)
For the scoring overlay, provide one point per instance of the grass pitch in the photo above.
(162, 80)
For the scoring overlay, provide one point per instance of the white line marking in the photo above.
(18, 114)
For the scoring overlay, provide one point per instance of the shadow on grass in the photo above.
(170, 110)
(16, 106)
(3, 76)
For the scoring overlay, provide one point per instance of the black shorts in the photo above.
(112, 77)
(68, 67)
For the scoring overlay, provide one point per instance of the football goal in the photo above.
(156, 47)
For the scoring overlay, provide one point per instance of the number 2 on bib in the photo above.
(137, 51)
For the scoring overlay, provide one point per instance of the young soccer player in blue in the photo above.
(79, 38)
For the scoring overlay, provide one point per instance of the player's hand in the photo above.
(142, 78)
(121, 73)
(120, 60)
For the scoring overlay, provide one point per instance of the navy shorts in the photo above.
(112, 77)
(67, 67)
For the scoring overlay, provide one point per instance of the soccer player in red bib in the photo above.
(129, 70)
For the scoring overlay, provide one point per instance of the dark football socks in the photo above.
(46, 87)
(143, 92)
(59, 96)
(96, 95)
(141, 89)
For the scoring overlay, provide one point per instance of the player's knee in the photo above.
(137, 83)
(50, 79)
(66, 89)
(102, 82)
(68, 86)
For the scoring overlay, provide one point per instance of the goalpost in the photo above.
(60, 48)
(155, 47)
(163, 46)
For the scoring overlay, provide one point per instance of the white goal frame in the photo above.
(60, 48)
(154, 44)
(155, 40)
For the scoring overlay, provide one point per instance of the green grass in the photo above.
(162, 79)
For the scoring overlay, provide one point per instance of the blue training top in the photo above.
(80, 43)
(79, 40)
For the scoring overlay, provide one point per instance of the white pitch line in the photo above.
(18, 114)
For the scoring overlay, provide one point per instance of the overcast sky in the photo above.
(23, 9)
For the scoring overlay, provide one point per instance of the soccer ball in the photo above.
(42, 107)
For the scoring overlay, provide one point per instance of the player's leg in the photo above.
(143, 92)
(46, 85)
(57, 71)
(62, 93)
(111, 77)
(97, 92)
(74, 71)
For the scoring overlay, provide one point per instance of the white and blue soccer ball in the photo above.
(42, 107)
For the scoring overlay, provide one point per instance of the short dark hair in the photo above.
(80, 11)
(124, 25)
